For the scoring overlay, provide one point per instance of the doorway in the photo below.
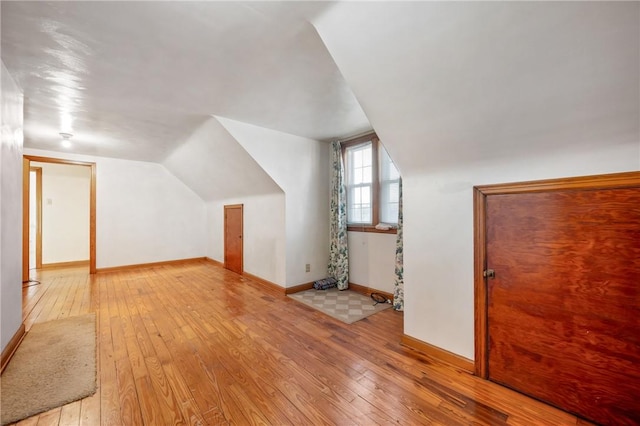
(27, 207)
(557, 300)
(233, 230)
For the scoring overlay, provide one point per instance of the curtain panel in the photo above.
(338, 251)
(398, 289)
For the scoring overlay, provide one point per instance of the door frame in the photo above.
(229, 207)
(26, 176)
(38, 206)
(480, 194)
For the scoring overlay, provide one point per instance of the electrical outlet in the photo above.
(307, 267)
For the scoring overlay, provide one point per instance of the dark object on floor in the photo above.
(325, 283)
(379, 298)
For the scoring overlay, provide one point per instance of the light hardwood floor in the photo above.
(196, 344)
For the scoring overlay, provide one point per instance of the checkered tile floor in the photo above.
(347, 306)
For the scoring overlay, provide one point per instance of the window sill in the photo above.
(370, 228)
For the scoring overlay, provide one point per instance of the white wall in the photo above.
(10, 209)
(466, 94)
(299, 166)
(212, 163)
(144, 213)
(65, 212)
(372, 260)
(264, 234)
(438, 237)
(221, 171)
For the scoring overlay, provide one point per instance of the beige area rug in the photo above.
(347, 306)
(55, 364)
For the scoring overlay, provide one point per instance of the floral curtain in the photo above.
(338, 250)
(398, 290)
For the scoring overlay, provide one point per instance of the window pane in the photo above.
(388, 170)
(366, 155)
(389, 188)
(394, 192)
(389, 197)
(359, 205)
(366, 174)
(357, 199)
(357, 159)
(366, 214)
(355, 214)
(359, 183)
(365, 193)
(389, 213)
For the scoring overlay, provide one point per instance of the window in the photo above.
(372, 182)
(359, 170)
(389, 188)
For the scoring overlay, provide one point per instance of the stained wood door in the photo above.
(563, 311)
(233, 230)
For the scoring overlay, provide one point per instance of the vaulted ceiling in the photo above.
(451, 84)
(444, 84)
(134, 79)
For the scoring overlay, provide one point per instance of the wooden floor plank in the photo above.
(70, 414)
(50, 418)
(169, 405)
(197, 344)
(30, 421)
(149, 405)
(90, 409)
(187, 404)
(108, 382)
(40, 311)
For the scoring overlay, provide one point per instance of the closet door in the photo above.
(563, 305)
(233, 229)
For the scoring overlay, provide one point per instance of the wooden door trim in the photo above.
(224, 254)
(38, 172)
(480, 193)
(27, 159)
(613, 180)
(26, 190)
(480, 283)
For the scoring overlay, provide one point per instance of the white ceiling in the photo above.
(135, 79)
(450, 84)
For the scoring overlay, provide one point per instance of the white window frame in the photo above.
(375, 185)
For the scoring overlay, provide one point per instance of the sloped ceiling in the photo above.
(134, 79)
(443, 83)
(452, 83)
(215, 166)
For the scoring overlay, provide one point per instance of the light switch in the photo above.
(49, 201)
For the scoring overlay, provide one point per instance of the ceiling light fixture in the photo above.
(65, 142)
